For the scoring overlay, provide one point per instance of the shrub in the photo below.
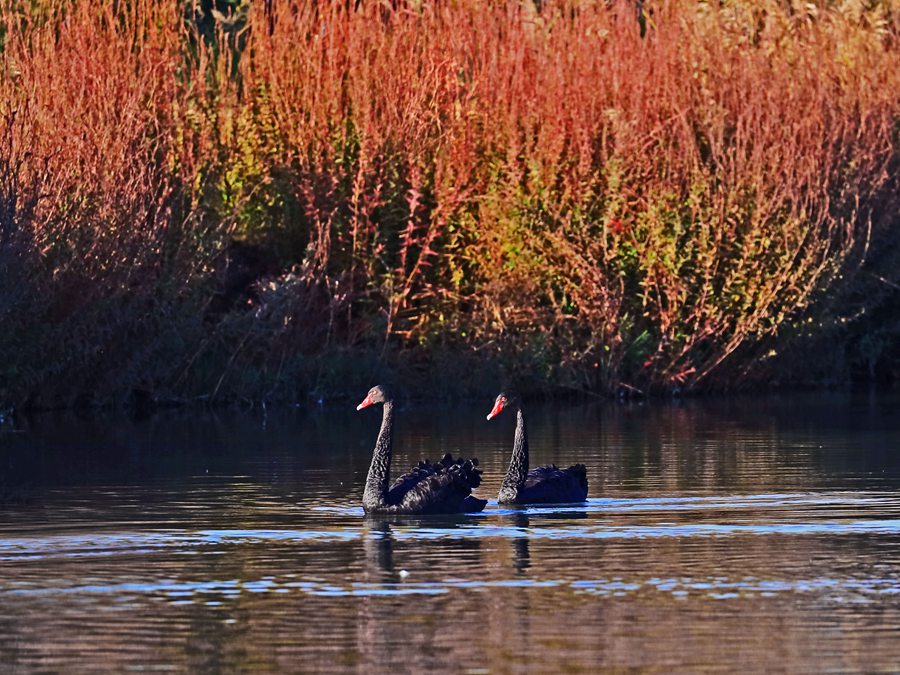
(585, 195)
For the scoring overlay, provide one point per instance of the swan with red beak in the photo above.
(499, 405)
(544, 485)
(440, 487)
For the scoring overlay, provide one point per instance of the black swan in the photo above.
(543, 485)
(442, 487)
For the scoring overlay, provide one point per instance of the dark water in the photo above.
(747, 535)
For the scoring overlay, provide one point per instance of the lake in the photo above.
(748, 534)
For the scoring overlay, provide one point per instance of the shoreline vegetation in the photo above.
(278, 201)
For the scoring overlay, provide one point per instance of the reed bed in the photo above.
(268, 200)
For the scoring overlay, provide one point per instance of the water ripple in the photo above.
(856, 589)
(693, 503)
(86, 545)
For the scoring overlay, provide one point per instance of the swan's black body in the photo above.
(543, 485)
(440, 487)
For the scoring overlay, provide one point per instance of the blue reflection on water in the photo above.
(794, 516)
(848, 588)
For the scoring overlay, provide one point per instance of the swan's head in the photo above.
(501, 403)
(377, 394)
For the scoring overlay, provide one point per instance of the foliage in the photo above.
(265, 200)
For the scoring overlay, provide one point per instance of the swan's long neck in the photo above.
(518, 465)
(380, 469)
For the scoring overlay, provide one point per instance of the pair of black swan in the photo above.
(446, 486)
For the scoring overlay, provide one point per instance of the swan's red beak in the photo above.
(497, 409)
(367, 401)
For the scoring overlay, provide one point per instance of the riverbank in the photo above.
(214, 206)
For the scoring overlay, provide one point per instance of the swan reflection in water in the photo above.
(380, 537)
(404, 567)
(521, 554)
(378, 546)
(379, 540)
(521, 520)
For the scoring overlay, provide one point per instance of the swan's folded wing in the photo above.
(544, 474)
(551, 484)
(435, 487)
(551, 472)
(418, 474)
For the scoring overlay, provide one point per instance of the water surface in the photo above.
(719, 536)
